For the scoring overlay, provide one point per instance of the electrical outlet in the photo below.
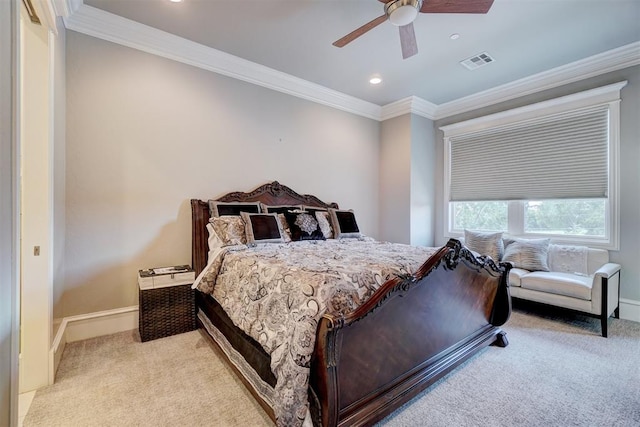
(36, 251)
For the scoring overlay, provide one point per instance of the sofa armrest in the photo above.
(607, 270)
(606, 299)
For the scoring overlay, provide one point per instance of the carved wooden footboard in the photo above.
(410, 333)
(413, 331)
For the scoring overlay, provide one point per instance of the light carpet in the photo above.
(556, 371)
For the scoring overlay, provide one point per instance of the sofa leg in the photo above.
(604, 323)
(501, 339)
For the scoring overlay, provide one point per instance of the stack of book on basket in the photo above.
(160, 277)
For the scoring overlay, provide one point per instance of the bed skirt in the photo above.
(264, 390)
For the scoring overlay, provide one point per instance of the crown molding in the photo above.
(411, 104)
(424, 108)
(395, 109)
(107, 26)
(66, 8)
(612, 60)
(47, 12)
(597, 96)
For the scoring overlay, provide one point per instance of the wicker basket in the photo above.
(166, 311)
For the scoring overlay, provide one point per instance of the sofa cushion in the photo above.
(515, 275)
(596, 258)
(568, 259)
(567, 284)
(489, 244)
(530, 254)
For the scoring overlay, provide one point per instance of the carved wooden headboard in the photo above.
(272, 193)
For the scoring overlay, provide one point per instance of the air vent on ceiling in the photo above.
(477, 61)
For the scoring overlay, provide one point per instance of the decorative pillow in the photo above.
(485, 243)
(325, 226)
(229, 229)
(213, 240)
(314, 209)
(232, 208)
(304, 226)
(529, 254)
(344, 223)
(280, 208)
(285, 227)
(262, 228)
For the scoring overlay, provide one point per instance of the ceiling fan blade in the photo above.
(408, 41)
(360, 31)
(456, 6)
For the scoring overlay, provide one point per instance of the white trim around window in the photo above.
(608, 96)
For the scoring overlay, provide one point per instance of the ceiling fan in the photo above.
(401, 13)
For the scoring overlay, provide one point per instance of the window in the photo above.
(582, 218)
(549, 169)
(483, 216)
(566, 217)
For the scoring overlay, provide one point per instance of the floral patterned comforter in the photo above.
(277, 293)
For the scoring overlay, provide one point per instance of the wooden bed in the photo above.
(411, 332)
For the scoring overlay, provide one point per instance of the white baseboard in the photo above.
(630, 309)
(101, 323)
(55, 354)
(90, 325)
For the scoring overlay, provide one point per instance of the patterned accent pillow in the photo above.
(262, 228)
(344, 223)
(325, 225)
(232, 208)
(489, 244)
(529, 254)
(230, 230)
(285, 227)
(304, 226)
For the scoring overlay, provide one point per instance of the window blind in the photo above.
(561, 156)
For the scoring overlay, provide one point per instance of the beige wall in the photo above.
(36, 191)
(629, 253)
(395, 179)
(407, 186)
(146, 134)
(8, 255)
(58, 152)
(423, 176)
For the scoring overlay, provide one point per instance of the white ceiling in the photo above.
(526, 37)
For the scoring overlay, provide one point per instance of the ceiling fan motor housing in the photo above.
(402, 12)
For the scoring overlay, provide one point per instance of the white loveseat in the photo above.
(573, 277)
(580, 279)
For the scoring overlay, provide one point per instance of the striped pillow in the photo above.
(529, 254)
(485, 243)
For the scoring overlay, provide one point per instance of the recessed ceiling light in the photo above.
(454, 36)
(175, 1)
(375, 80)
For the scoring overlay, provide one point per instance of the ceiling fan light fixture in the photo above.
(402, 12)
